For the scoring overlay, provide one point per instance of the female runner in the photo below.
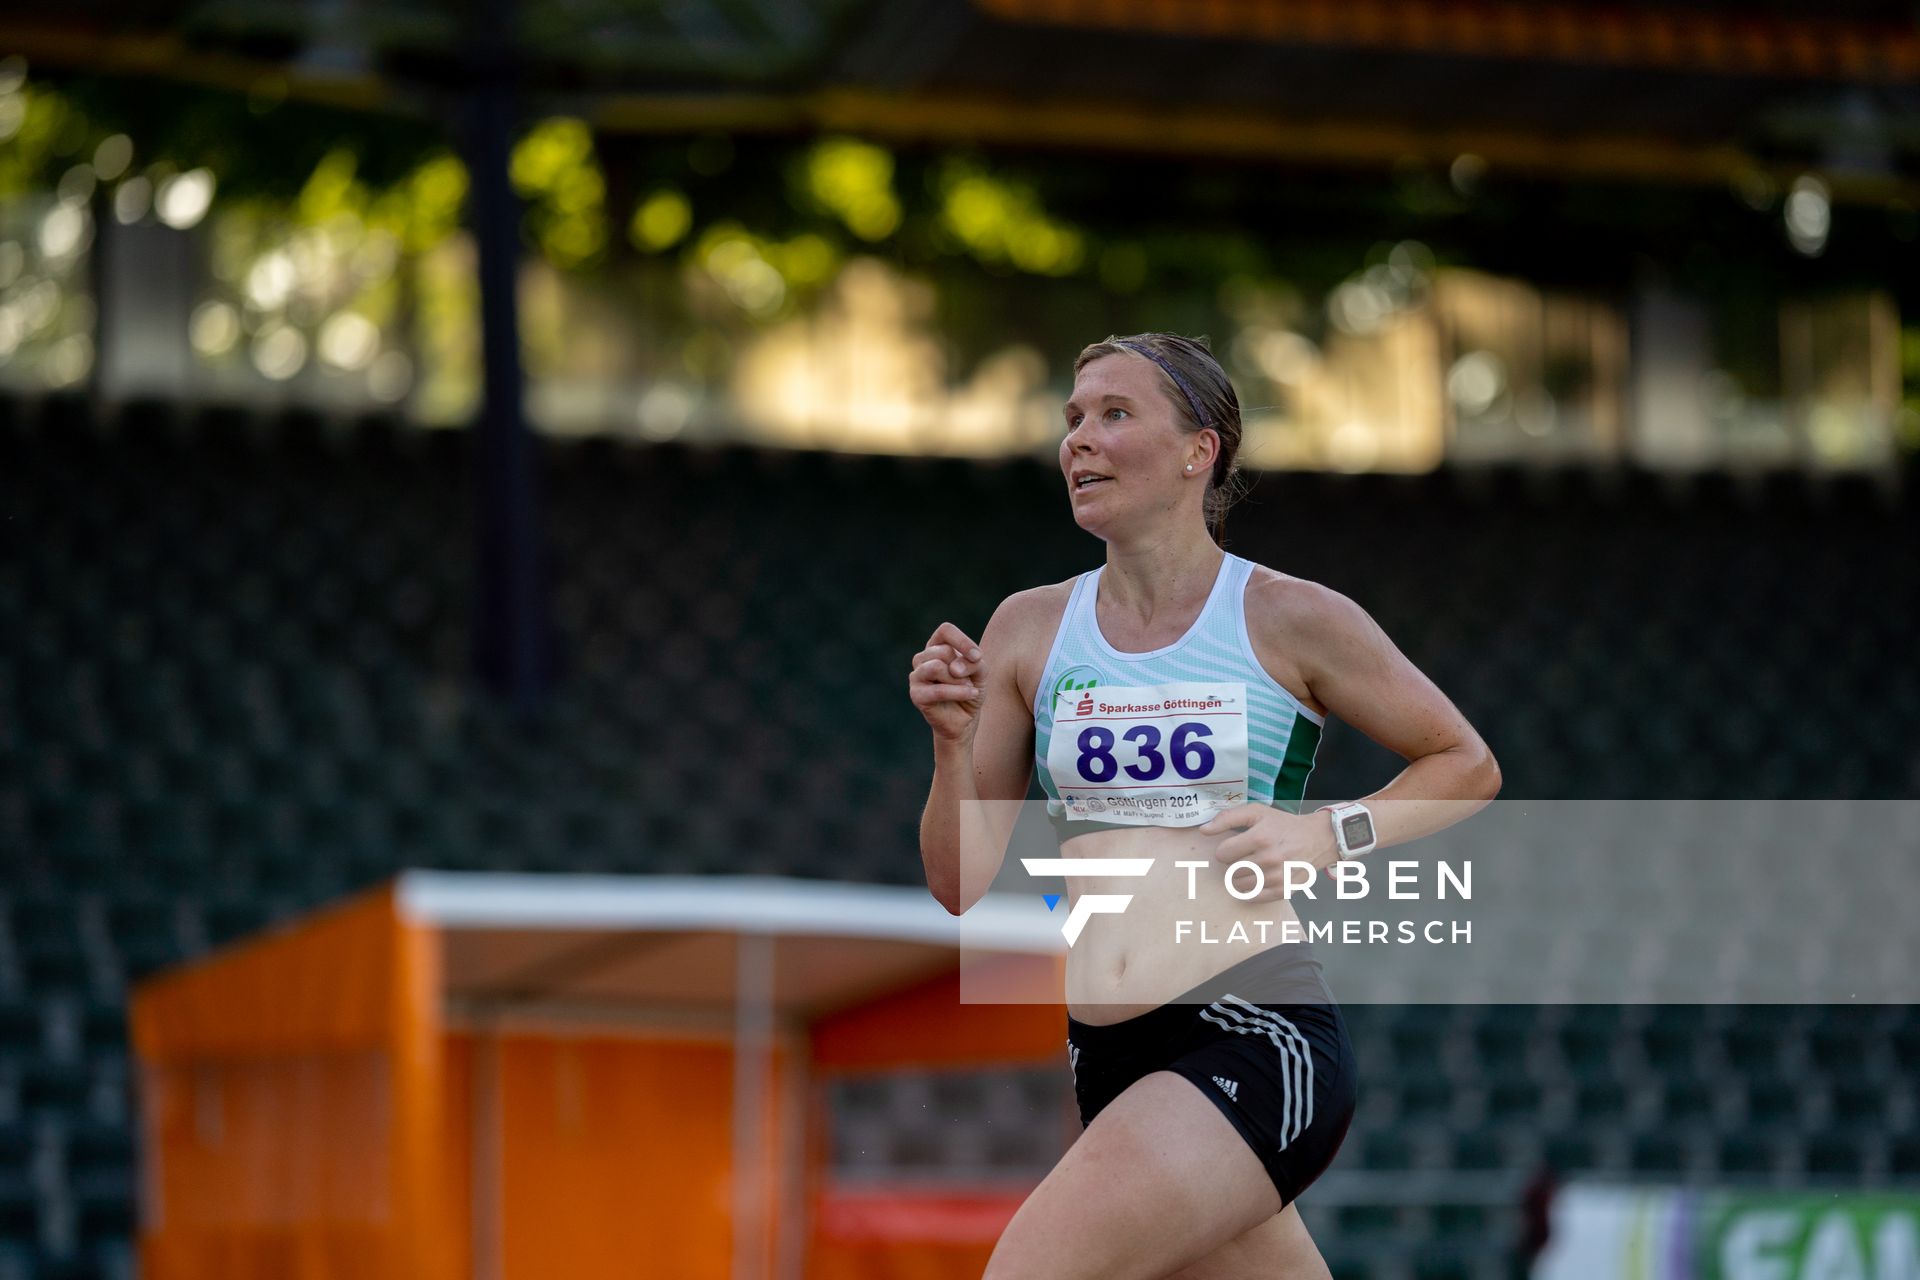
(1215, 1082)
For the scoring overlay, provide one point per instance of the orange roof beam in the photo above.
(1822, 49)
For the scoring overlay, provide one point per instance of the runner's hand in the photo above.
(1272, 838)
(948, 683)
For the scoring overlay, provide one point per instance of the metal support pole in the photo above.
(512, 632)
(752, 1069)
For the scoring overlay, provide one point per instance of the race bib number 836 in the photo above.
(1150, 755)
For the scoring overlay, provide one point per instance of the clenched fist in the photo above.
(948, 682)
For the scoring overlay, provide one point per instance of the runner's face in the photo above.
(1120, 424)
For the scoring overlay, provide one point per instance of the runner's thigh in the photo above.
(1277, 1249)
(1159, 1181)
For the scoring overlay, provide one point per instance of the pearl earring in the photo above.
(1189, 466)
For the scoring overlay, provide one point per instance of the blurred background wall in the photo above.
(408, 407)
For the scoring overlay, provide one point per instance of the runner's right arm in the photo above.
(982, 750)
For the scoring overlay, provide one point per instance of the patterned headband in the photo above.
(1192, 399)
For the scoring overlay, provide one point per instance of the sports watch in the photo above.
(1352, 829)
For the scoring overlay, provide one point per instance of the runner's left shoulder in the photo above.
(1279, 604)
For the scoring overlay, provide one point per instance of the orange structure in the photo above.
(512, 1076)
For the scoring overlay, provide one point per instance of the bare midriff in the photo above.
(1129, 963)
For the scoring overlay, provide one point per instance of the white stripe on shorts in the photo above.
(1295, 1053)
(1299, 1045)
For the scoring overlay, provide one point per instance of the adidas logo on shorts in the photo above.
(1229, 1087)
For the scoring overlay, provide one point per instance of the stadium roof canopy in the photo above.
(1674, 91)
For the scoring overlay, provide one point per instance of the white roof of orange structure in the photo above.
(521, 942)
(757, 904)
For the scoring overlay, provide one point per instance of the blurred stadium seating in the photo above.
(236, 685)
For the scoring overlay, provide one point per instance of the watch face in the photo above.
(1356, 830)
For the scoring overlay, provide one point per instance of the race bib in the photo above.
(1169, 755)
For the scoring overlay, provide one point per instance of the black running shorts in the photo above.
(1264, 1041)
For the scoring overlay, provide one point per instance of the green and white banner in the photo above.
(1630, 1233)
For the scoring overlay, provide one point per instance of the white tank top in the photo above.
(1172, 736)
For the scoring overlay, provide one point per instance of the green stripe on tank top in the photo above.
(1290, 784)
